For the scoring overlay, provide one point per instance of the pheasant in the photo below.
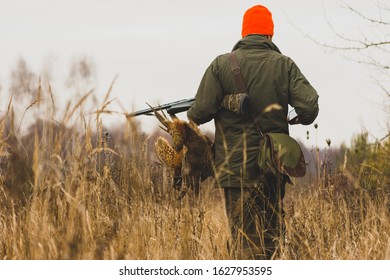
(190, 155)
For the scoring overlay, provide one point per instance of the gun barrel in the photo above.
(147, 112)
(184, 105)
(172, 108)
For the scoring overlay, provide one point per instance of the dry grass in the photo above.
(337, 224)
(72, 192)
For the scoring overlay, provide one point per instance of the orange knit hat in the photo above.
(257, 20)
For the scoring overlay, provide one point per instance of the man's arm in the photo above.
(208, 97)
(302, 96)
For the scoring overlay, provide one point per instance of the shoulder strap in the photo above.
(236, 71)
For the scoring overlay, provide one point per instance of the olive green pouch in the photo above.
(280, 153)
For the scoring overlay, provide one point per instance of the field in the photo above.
(71, 189)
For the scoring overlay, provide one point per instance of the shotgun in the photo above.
(237, 103)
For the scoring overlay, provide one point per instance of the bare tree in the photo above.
(24, 82)
(369, 44)
(81, 75)
(372, 46)
(373, 32)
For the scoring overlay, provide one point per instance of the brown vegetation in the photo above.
(79, 192)
(71, 189)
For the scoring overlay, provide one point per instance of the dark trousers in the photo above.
(255, 216)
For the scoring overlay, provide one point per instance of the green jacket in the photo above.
(271, 78)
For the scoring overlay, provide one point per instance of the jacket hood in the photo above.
(255, 42)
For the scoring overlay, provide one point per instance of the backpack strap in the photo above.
(236, 71)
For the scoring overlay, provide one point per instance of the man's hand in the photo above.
(294, 120)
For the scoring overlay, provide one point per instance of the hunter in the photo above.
(273, 81)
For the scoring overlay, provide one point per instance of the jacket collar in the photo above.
(255, 42)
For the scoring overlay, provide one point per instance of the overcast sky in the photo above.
(160, 50)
